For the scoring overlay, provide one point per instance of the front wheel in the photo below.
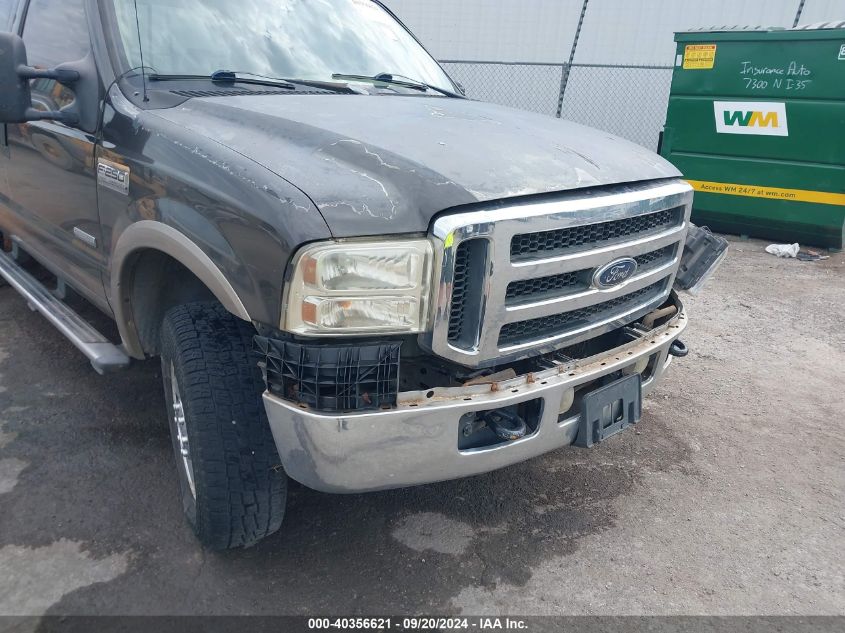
(232, 485)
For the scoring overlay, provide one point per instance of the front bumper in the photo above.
(417, 442)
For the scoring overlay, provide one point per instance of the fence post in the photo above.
(798, 14)
(564, 78)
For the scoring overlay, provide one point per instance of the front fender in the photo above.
(149, 234)
(227, 219)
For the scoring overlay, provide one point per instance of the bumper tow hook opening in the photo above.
(506, 425)
(679, 349)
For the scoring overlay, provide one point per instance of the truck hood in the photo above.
(387, 164)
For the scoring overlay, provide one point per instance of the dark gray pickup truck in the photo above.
(353, 275)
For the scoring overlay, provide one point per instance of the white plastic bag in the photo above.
(784, 250)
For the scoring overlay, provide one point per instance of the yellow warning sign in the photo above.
(772, 193)
(699, 56)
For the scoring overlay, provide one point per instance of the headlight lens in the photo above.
(360, 288)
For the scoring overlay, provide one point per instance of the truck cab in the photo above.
(352, 275)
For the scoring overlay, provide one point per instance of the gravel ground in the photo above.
(727, 499)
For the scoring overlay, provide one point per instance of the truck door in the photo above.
(52, 171)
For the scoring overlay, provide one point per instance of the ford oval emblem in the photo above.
(615, 273)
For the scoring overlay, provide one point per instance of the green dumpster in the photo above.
(756, 123)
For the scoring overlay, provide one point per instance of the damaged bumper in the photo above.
(419, 441)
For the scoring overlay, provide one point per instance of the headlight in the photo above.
(360, 288)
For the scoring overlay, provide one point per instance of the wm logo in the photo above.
(751, 119)
(762, 118)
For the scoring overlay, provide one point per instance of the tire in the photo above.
(231, 482)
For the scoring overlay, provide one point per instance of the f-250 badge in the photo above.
(113, 176)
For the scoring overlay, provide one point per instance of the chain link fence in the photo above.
(534, 87)
(629, 101)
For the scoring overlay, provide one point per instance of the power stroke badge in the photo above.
(113, 176)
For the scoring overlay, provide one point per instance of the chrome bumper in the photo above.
(417, 442)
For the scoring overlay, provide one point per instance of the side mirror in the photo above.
(15, 95)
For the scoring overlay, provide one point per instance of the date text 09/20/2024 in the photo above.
(418, 624)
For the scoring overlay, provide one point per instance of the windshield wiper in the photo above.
(312, 83)
(398, 80)
(228, 77)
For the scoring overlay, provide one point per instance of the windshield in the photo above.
(295, 39)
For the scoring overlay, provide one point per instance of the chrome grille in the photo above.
(459, 293)
(466, 293)
(545, 286)
(555, 285)
(656, 258)
(517, 281)
(530, 245)
(556, 323)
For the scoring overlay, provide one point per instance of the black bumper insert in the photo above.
(331, 378)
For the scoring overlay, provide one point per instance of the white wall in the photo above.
(615, 31)
(823, 11)
(620, 32)
(503, 30)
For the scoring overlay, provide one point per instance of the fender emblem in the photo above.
(113, 176)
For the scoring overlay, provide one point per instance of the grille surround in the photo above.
(497, 225)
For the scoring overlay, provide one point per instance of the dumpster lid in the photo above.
(836, 24)
(840, 24)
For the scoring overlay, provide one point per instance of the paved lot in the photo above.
(728, 499)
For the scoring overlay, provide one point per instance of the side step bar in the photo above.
(104, 355)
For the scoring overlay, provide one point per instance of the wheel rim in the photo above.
(182, 432)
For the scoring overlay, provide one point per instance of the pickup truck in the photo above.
(353, 275)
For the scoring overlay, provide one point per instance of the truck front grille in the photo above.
(467, 292)
(565, 283)
(545, 286)
(656, 258)
(459, 292)
(551, 326)
(518, 281)
(548, 243)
